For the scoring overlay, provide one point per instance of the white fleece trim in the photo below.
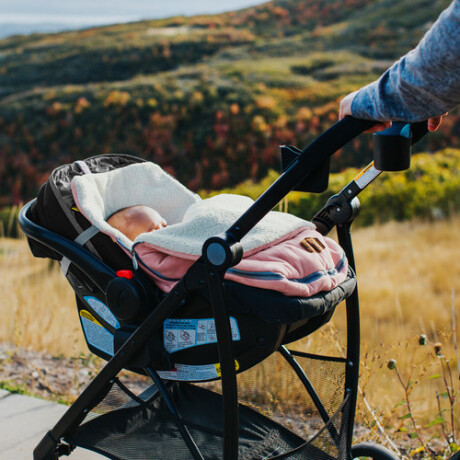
(190, 220)
(215, 215)
(100, 195)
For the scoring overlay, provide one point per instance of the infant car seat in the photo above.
(185, 347)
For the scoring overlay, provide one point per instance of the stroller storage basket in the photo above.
(128, 427)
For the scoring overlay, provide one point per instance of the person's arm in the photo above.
(423, 84)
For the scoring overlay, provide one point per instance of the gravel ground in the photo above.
(56, 378)
(63, 379)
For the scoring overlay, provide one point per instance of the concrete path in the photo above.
(23, 423)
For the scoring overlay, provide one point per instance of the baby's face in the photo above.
(143, 220)
(136, 220)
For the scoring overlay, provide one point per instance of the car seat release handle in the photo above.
(392, 147)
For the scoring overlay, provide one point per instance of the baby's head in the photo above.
(135, 220)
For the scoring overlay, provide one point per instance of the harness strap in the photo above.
(81, 239)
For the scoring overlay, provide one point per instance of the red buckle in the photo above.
(128, 274)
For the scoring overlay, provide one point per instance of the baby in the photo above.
(134, 220)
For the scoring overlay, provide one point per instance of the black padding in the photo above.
(56, 192)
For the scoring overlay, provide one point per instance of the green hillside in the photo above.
(209, 98)
(429, 190)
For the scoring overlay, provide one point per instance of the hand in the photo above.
(345, 105)
(345, 109)
(435, 122)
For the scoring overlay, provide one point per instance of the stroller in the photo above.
(194, 405)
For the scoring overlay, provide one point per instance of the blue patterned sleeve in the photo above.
(422, 84)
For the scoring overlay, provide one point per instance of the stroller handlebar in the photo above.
(418, 130)
(337, 136)
(323, 147)
(311, 157)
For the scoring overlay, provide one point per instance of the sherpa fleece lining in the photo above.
(190, 219)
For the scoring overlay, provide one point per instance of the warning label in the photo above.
(87, 315)
(179, 334)
(96, 334)
(102, 310)
(185, 372)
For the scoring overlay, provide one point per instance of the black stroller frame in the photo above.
(220, 253)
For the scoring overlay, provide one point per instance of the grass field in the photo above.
(409, 285)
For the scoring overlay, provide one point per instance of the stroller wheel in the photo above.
(368, 450)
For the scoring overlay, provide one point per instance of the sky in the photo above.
(25, 16)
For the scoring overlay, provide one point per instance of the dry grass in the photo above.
(408, 276)
(37, 305)
(407, 273)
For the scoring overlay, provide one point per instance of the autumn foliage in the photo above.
(208, 98)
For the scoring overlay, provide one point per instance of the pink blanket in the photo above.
(282, 252)
(300, 264)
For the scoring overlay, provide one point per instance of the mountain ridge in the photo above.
(208, 97)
